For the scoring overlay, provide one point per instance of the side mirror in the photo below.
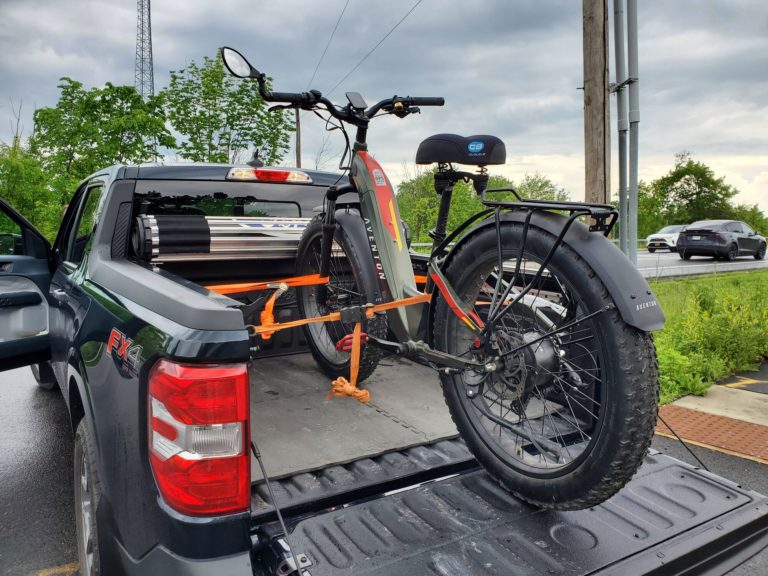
(237, 64)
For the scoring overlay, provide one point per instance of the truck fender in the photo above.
(632, 295)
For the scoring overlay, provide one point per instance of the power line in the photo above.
(379, 43)
(309, 84)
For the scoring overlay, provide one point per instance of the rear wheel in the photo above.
(349, 285)
(683, 255)
(568, 418)
(87, 496)
(651, 250)
(733, 252)
(760, 254)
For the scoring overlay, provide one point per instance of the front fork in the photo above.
(329, 225)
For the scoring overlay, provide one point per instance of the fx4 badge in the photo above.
(121, 348)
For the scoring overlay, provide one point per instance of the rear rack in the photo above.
(604, 216)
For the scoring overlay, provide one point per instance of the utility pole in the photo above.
(144, 77)
(634, 124)
(597, 115)
(298, 138)
(619, 25)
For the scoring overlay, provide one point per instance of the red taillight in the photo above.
(198, 437)
(268, 175)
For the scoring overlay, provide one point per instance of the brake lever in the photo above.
(402, 113)
(280, 107)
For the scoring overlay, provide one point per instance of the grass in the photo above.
(716, 325)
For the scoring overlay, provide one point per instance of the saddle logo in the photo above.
(476, 146)
(122, 349)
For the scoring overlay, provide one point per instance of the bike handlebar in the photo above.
(288, 97)
(426, 101)
(397, 105)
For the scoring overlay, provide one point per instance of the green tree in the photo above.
(220, 117)
(418, 202)
(91, 129)
(691, 191)
(752, 215)
(651, 210)
(539, 187)
(23, 185)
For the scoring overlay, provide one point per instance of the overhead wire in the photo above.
(327, 45)
(372, 50)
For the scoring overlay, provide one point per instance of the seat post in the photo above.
(445, 180)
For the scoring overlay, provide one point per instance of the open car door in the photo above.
(25, 278)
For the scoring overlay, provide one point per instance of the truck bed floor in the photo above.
(670, 519)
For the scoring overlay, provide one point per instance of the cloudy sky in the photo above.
(505, 67)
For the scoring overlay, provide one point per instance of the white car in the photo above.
(666, 238)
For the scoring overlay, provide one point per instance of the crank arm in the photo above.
(421, 350)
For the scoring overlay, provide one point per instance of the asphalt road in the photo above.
(36, 512)
(664, 264)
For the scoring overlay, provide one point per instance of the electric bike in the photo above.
(538, 326)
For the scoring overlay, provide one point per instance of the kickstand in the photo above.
(286, 568)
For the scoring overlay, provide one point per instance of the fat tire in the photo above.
(84, 446)
(377, 326)
(631, 404)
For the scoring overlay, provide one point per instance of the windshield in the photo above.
(671, 229)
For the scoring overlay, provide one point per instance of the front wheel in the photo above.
(569, 416)
(350, 283)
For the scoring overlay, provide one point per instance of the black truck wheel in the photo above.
(87, 496)
(569, 416)
(43, 374)
(350, 284)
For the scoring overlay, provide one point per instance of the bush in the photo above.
(716, 325)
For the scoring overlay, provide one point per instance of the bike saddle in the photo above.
(477, 150)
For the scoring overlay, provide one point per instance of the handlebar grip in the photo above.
(427, 101)
(289, 97)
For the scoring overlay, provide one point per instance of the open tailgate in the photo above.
(671, 518)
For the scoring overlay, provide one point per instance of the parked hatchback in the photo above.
(664, 239)
(726, 239)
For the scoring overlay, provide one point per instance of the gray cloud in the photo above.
(507, 68)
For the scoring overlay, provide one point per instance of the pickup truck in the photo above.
(165, 391)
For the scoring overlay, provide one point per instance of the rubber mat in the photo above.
(298, 430)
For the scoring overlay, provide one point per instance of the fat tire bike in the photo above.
(538, 326)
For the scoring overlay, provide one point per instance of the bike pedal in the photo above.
(345, 344)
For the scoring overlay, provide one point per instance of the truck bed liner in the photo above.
(670, 519)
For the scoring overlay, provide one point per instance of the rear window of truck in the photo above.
(224, 198)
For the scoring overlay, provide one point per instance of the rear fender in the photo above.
(634, 299)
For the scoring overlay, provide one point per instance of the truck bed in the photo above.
(424, 506)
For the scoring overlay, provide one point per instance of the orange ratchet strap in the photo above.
(336, 316)
(343, 387)
(308, 280)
